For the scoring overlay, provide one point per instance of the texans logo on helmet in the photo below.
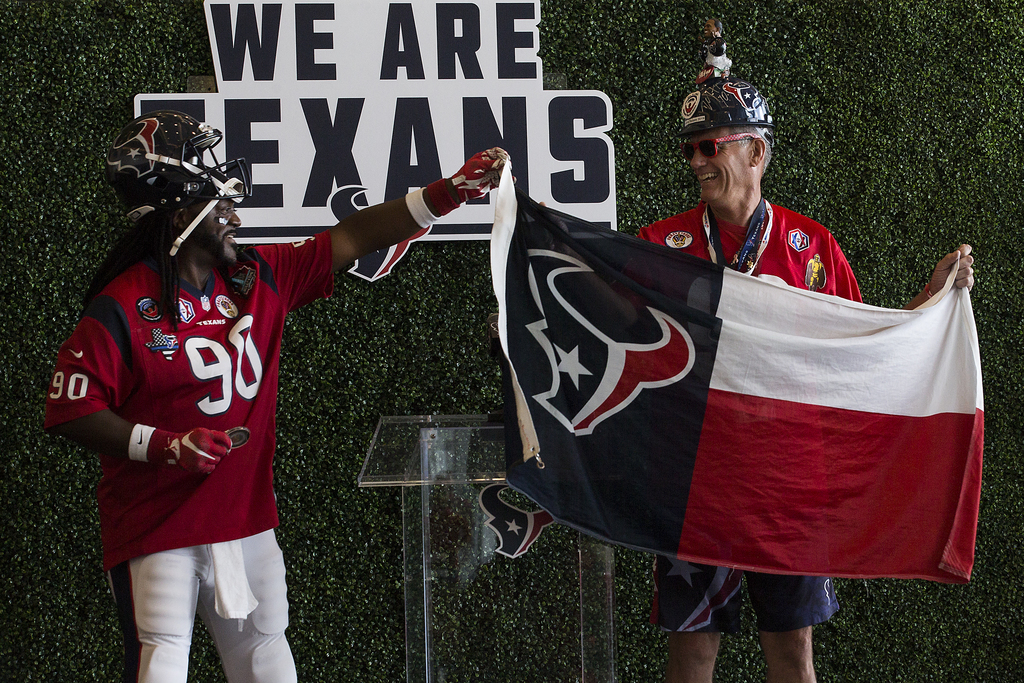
(516, 529)
(606, 374)
(744, 92)
(143, 137)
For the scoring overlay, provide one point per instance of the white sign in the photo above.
(339, 105)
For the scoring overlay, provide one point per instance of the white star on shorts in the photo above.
(682, 568)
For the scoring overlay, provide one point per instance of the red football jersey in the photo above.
(218, 370)
(800, 251)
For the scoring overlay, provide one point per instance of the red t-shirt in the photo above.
(800, 251)
(218, 370)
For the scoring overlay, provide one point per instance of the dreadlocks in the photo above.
(151, 236)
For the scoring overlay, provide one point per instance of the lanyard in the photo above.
(758, 233)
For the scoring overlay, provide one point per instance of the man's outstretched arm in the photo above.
(391, 222)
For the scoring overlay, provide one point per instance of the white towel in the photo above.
(233, 599)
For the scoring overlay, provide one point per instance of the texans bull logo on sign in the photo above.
(604, 374)
(516, 529)
(345, 202)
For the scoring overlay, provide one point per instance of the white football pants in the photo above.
(159, 595)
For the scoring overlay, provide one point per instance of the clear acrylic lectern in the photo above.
(471, 613)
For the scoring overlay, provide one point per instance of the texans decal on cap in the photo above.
(744, 92)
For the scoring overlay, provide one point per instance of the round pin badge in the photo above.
(148, 308)
(679, 239)
(226, 306)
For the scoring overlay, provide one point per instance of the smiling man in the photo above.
(171, 375)
(729, 137)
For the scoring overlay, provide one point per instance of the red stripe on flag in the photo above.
(906, 507)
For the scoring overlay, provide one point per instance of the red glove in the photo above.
(481, 173)
(197, 451)
(476, 178)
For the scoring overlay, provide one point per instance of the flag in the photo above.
(667, 404)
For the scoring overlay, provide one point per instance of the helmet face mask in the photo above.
(158, 162)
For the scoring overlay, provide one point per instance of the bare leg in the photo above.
(691, 657)
(789, 655)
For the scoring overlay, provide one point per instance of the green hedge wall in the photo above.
(899, 127)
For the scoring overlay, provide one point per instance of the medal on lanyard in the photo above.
(758, 232)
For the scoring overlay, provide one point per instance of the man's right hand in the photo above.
(197, 451)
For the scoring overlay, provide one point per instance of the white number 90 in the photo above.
(78, 385)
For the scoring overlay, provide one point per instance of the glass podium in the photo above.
(473, 611)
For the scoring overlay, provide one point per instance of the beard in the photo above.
(224, 252)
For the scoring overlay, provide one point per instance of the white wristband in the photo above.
(418, 209)
(138, 446)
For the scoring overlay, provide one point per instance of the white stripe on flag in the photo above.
(505, 212)
(783, 343)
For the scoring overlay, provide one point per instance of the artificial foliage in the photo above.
(899, 128)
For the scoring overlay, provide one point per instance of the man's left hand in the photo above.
(479, 174)
(960, 259)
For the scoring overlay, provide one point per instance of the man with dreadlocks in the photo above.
(171, 375)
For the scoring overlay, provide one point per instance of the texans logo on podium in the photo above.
(516, 529)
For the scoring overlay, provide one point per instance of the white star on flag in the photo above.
(569, 363)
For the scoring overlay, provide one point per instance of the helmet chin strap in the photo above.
(224, 188)
(192, 226)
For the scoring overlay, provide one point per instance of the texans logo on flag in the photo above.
(516, 529)
(602, 375)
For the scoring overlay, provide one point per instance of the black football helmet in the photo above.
(721, 102)
(158, 162)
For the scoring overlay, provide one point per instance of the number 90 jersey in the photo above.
(218, 369)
